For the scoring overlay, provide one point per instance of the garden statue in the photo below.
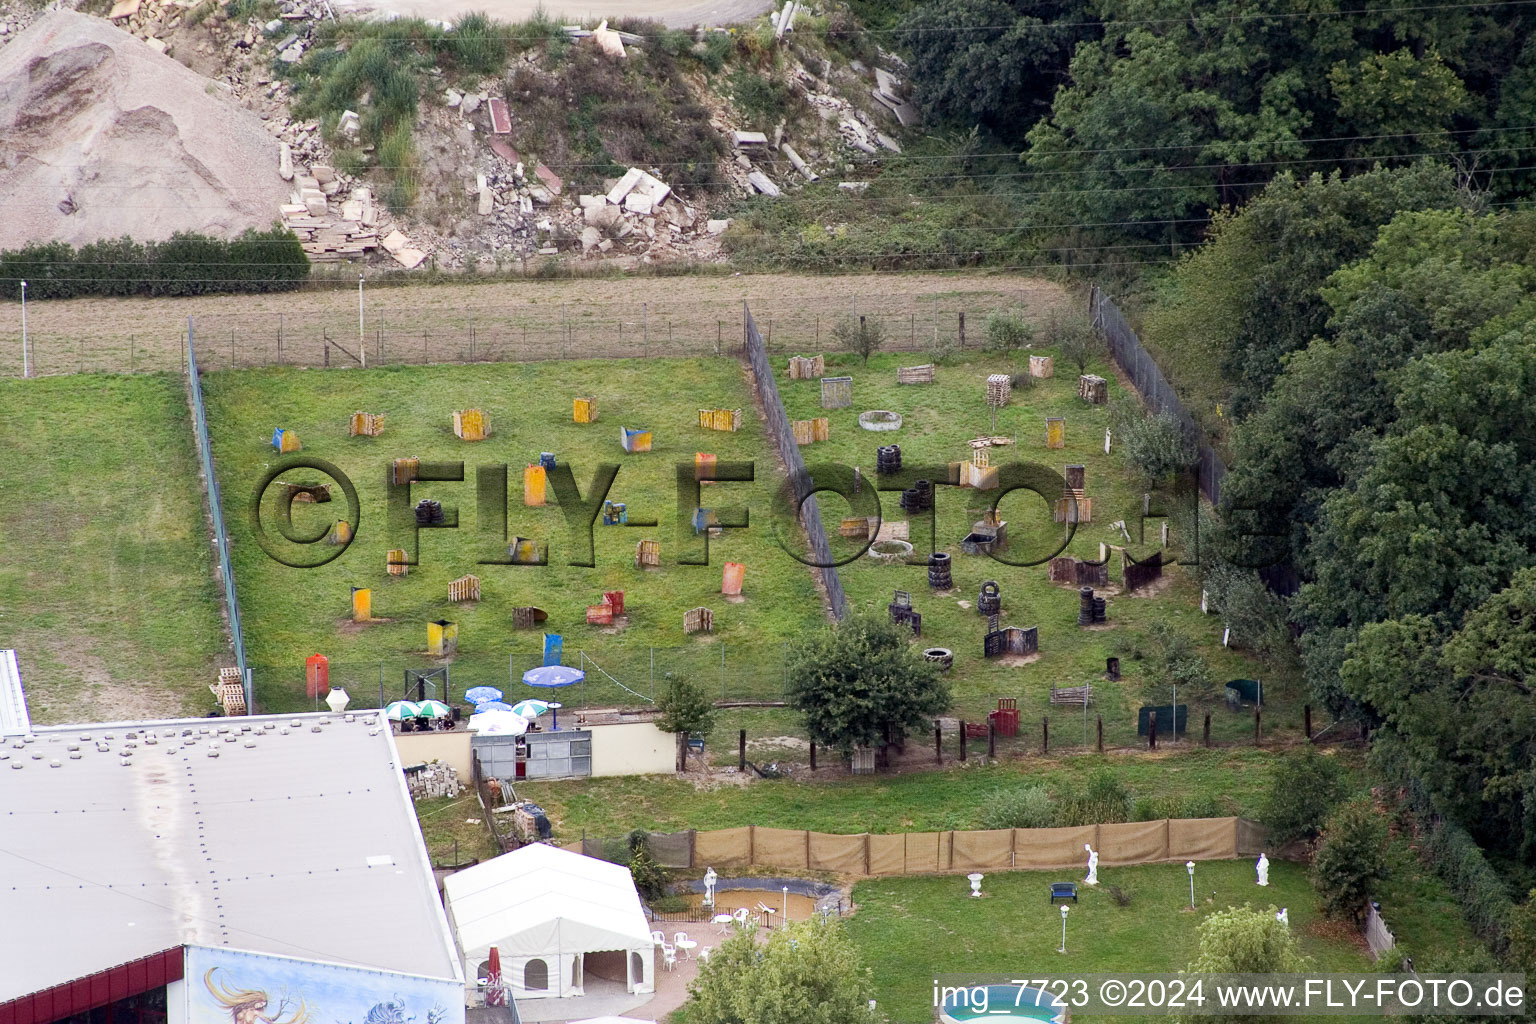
(1263, 869)
(1093, 866)
(710, 878)
(1283, 917)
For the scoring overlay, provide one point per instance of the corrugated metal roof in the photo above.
(14, 720)
(286, 835)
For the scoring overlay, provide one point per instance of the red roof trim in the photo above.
(93, 990)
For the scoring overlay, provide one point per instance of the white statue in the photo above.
(710, 878)
(1263, 868)
(1093, 866)
(1283, 917)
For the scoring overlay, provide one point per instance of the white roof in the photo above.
(297, 839)
(545, 900)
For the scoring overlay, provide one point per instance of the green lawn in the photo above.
(911, 929)
(291, 613)
(454, 830)
(911, 802)
(106, 586)
(938, 420)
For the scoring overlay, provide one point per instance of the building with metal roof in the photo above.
(251, 849)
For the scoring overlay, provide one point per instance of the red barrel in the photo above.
(317, 676)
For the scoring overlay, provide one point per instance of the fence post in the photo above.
(938, 743)
(1045, 735)
(1152, 730)
(962, 329)
(722, 670)
(1101, 734)
(1206, 739)
(1306, 719)
(1256, 718)
(991, 739)
(813, 759)
(962, 741)
(741, 751)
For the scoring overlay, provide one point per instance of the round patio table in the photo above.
(685, 946)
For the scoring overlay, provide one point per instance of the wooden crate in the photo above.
(600, 614)
(365, 424)
(1093, 389)
(471, 424)
(647, 553)
(836, 392)
(465, 588)
(720, 419)
(1042, 366)
(394, 562)
(806, 367)
(999, 389)
(698, 620)
(405, 470)
(1055, 432)
(527, 617)
(810, 431)
(584, 410)
(915, 374)
(1067, 513)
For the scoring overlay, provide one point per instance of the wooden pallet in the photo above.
(915, 374)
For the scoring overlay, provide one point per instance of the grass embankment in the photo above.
(291, 613)
(106, 588)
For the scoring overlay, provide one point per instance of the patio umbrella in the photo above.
(530, 708)
(549, 677)
(433, 709)
(495, 993)
(498, 723)
(400, 710)
(481, 694)
(493, 705)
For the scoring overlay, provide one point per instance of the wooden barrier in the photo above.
(698, 620)
(362, 604)
(806, 367)
(634, 440)
(647, 553)
(810, 431)
(471, 424)
(365, 424)
(1055, 432)
(405, 470)
(915, 374)
(395, 563)
(1042, 367)
(584, 410)
(720, 419)
(465, 588)
(527, 617)
(999, 389)
(1093, 389)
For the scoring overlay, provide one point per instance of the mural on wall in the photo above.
(234, 987)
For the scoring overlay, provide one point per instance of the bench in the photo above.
(1063, 891)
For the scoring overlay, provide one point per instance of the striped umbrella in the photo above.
(433, 709)
(400, 710)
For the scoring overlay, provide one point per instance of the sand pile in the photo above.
(101, 136)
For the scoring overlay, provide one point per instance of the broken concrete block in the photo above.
(625, 185)
(588, 201)
(745, 139)
(331, 187)
(487, 201)
(608, 40)
(352, 209)
(322, 173)
(759, 181)
(638, 204)
(158, 45)
(292, 55)
(453, 98)
(285, 161)
(602, 217)
(795, 161)
(313, 200)
(124, 9)
(394, 242)
(410, 259)
(591, 237)
(888, 142)
(605, 245)
(717, 227)
(470, 103)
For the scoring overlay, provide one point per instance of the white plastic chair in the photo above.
(659, 938)
(742, 915)
(668, 957)
(679, 938)
(704, 954)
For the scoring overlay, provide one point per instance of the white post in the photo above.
(26, 363)
(362, 346)
(1189, 866)
(1063, 948)
(786, 905)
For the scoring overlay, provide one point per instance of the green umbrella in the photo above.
(433, 709)
(400, 710)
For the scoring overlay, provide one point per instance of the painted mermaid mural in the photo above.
(245, 988)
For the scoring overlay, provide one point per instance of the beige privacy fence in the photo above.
(913, 853)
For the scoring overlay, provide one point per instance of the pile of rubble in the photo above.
(327, 237)
(432, 781)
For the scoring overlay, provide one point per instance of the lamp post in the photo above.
(1189, 866)
(785, 916)
(26, 364)
(1063, 948)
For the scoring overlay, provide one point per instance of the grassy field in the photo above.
(938, 420)
(291, 613)
(453, 830)
(1236, 780)
(106, 588)
(911, 929)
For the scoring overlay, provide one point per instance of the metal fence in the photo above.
(1138, 364)
(619, 677)
(215, 509)
(789, 451)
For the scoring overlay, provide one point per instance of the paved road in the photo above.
(673, 13)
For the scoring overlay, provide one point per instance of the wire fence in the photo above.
(626, 677)
(1158, 394)
(215, 510)
(339, 337)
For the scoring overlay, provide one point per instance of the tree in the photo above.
(1397, 97)
(1244, 940)
(1075, 337)
(1008, 330)
(650, 877)
(1175, 662)
(863, 336)
(1351, 859)
(1157, 444)
(685, 709)
(859, 682)
(808, 972)
(1304, 789)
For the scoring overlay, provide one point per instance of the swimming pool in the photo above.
(999, 1003)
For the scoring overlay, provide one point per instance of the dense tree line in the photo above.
(184, 264)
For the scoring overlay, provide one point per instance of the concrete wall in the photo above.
(451, 748)
(632, 748)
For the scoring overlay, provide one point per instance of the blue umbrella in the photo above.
(492, 705)
(481, 694)
(552, 676)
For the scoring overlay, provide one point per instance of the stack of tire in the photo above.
(888, 459)
(938, 572)
(918, 497)
(990, 601)
(429, 513)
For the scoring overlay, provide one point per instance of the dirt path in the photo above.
(672, 13)
(612, 317)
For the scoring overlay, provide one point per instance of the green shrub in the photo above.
(1157, 444)
(1303, 791)
(1008, 330)
(1351, 860)
(1103, 800)
(763, 101)
(1026, 806)
(650, 877)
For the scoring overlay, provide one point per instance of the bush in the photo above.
(650, 877)
(1075, 337)
(1303, 792)
(1024, 807)
(184, 264)
(1243, 940)
(1102, 801)
(862, 336)
(1351, 860)
(1158, 444)
(1008, 329)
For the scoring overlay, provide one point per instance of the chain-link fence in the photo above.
(621, 677)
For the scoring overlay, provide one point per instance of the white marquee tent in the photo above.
(554, 917)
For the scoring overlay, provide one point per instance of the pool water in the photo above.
(801, 908)
(999, 1003)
